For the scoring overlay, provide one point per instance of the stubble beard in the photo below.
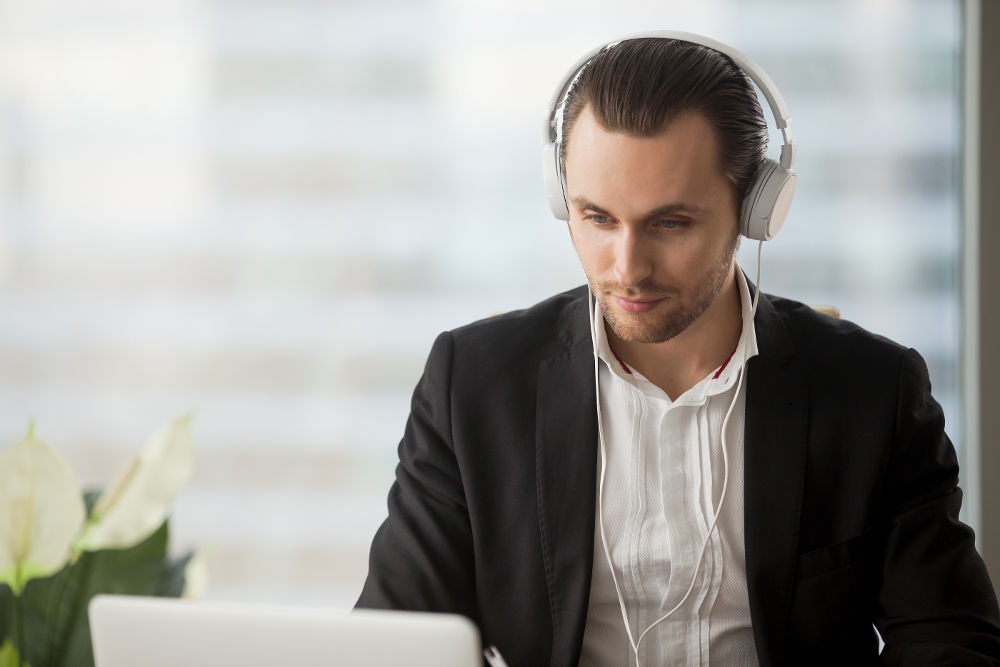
(671, 318)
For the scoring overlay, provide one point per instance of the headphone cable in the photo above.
(725, 477)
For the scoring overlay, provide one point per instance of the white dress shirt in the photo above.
(663, 481)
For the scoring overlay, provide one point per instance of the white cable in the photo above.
(725, 475)
(604, 458)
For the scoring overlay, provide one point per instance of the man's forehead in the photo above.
(676, 168)
(691, 119)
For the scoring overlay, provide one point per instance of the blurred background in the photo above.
(265, 210)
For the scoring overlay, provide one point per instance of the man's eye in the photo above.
(598, 219)
(671, 224)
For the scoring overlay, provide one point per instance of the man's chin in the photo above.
(631, 327)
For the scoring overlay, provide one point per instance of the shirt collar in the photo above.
(719, 380)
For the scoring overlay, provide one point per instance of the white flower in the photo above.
(195, 577)
(41, 511)
(135, 505)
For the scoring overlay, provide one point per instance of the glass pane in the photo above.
(265, 210)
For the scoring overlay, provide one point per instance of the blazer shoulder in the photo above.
(821, 338)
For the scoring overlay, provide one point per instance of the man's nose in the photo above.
(632, 262)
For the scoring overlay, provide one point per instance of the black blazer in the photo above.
(850, 486)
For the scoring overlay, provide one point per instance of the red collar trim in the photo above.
(714, 377)
(725, 363)
(624, 367)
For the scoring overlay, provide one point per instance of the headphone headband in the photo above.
(767, 86)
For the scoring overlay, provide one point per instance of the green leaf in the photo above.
(6, 613)
(90, 497)
(135, 571)
(172, 577)
(57, 628)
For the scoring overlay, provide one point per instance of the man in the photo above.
(747, 483)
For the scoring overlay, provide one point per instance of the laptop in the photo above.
(128, 631)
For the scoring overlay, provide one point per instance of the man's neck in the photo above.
(681, 362)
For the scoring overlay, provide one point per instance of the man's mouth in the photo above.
(637, 304)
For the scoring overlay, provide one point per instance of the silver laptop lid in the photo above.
(163, 632)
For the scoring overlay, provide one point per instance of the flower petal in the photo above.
(138, 502)
(41, 511)
(195, 577)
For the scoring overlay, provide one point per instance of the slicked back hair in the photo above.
(639, 86)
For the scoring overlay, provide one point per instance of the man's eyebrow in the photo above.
(666, 209)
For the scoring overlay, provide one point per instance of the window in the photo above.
(266, 210)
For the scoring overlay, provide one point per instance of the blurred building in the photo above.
(265, 210)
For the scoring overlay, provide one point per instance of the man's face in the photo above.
(654, 222)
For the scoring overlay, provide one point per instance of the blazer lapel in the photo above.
(565, 473)
(774, 451)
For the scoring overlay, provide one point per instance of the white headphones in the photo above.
(763, 210)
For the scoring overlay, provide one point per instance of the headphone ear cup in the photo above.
(553, 181)
(766, 205)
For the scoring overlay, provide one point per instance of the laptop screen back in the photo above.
(161, 632)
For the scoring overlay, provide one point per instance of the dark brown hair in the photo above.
(639, 86)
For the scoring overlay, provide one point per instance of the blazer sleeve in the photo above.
(936, 603)
(422, 556)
